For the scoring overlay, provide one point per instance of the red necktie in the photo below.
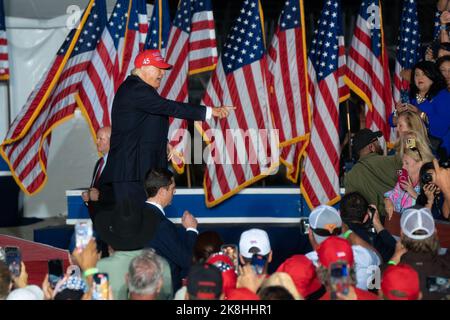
(99, 170)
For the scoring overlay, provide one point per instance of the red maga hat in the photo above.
(151, 58)
(400, 282)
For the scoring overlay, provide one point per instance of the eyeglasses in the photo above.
(416, 150)
(326, 233)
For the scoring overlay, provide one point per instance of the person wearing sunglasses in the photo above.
(407, 188)
(325, 222)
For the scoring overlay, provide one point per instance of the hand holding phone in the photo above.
(83, 233)
(55, 271)
(304, 225)
(232, 251)
(258, 263)
(339, 279)
(100, 287)
(402, 177)
(13, 259)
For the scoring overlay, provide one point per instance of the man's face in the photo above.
(103, 141)
(152, 75)
(167, 193)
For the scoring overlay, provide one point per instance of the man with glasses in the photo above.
(373, 174)
(325, 222)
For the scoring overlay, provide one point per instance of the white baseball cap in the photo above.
(254, 238)
(327, 218)
(413, 220)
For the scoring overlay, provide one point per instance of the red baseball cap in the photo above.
(242, 294)
(303, 273)
(335, 249)
(151, 58)
(225, 264)
(400, 282)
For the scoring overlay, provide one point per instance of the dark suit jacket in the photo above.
(140, 124)
(106, 197)
(170, 244)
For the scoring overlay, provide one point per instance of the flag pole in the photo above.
(188, 175)
(349, 131)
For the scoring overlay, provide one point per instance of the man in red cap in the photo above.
(340, 282)
(140, 124)
(400, 282)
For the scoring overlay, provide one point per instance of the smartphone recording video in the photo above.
(55, 271)
(13, 259)
(339, 279)
(304, 225)
(258, 263)
(232, 251)
(83, 233)
(100, 286)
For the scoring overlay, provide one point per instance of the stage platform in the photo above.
(251, 205)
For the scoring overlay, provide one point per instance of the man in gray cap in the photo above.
(374, 173)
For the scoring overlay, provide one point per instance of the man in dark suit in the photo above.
(168, 242)
(92, 196)
(140, 124)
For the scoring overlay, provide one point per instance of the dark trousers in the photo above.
(129, 190)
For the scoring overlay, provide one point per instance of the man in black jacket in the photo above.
(140, 124)
(175, 247)
(364, 220)
(91, 197)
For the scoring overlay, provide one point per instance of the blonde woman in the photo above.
(406, 190)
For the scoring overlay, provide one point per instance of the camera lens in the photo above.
(426, 178)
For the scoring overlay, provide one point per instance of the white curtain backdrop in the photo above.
(32, 47)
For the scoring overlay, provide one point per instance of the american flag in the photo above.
(368, 67)
(288, 83)
(104, 74)
(135, 35)
(437, 24)
(27, 142)
(408, 47)
(191, 49)
(4, 66)
(239, 80)
(159, 29)
(320, 181)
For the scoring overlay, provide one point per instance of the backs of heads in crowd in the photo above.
(334, 250)
(157, 179)
(31, 292)
(353, 207)
(417, 224)
(325, 221)
(363, 138)
(400, 282)
(284, 280)
(432, 72)
(5, 280)
(204, 282)
(254, 241)
(275, 293)
(145, 273)
(303, 273)
(225, 265)
(206, 244)
(126, 227)
(418, 231)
